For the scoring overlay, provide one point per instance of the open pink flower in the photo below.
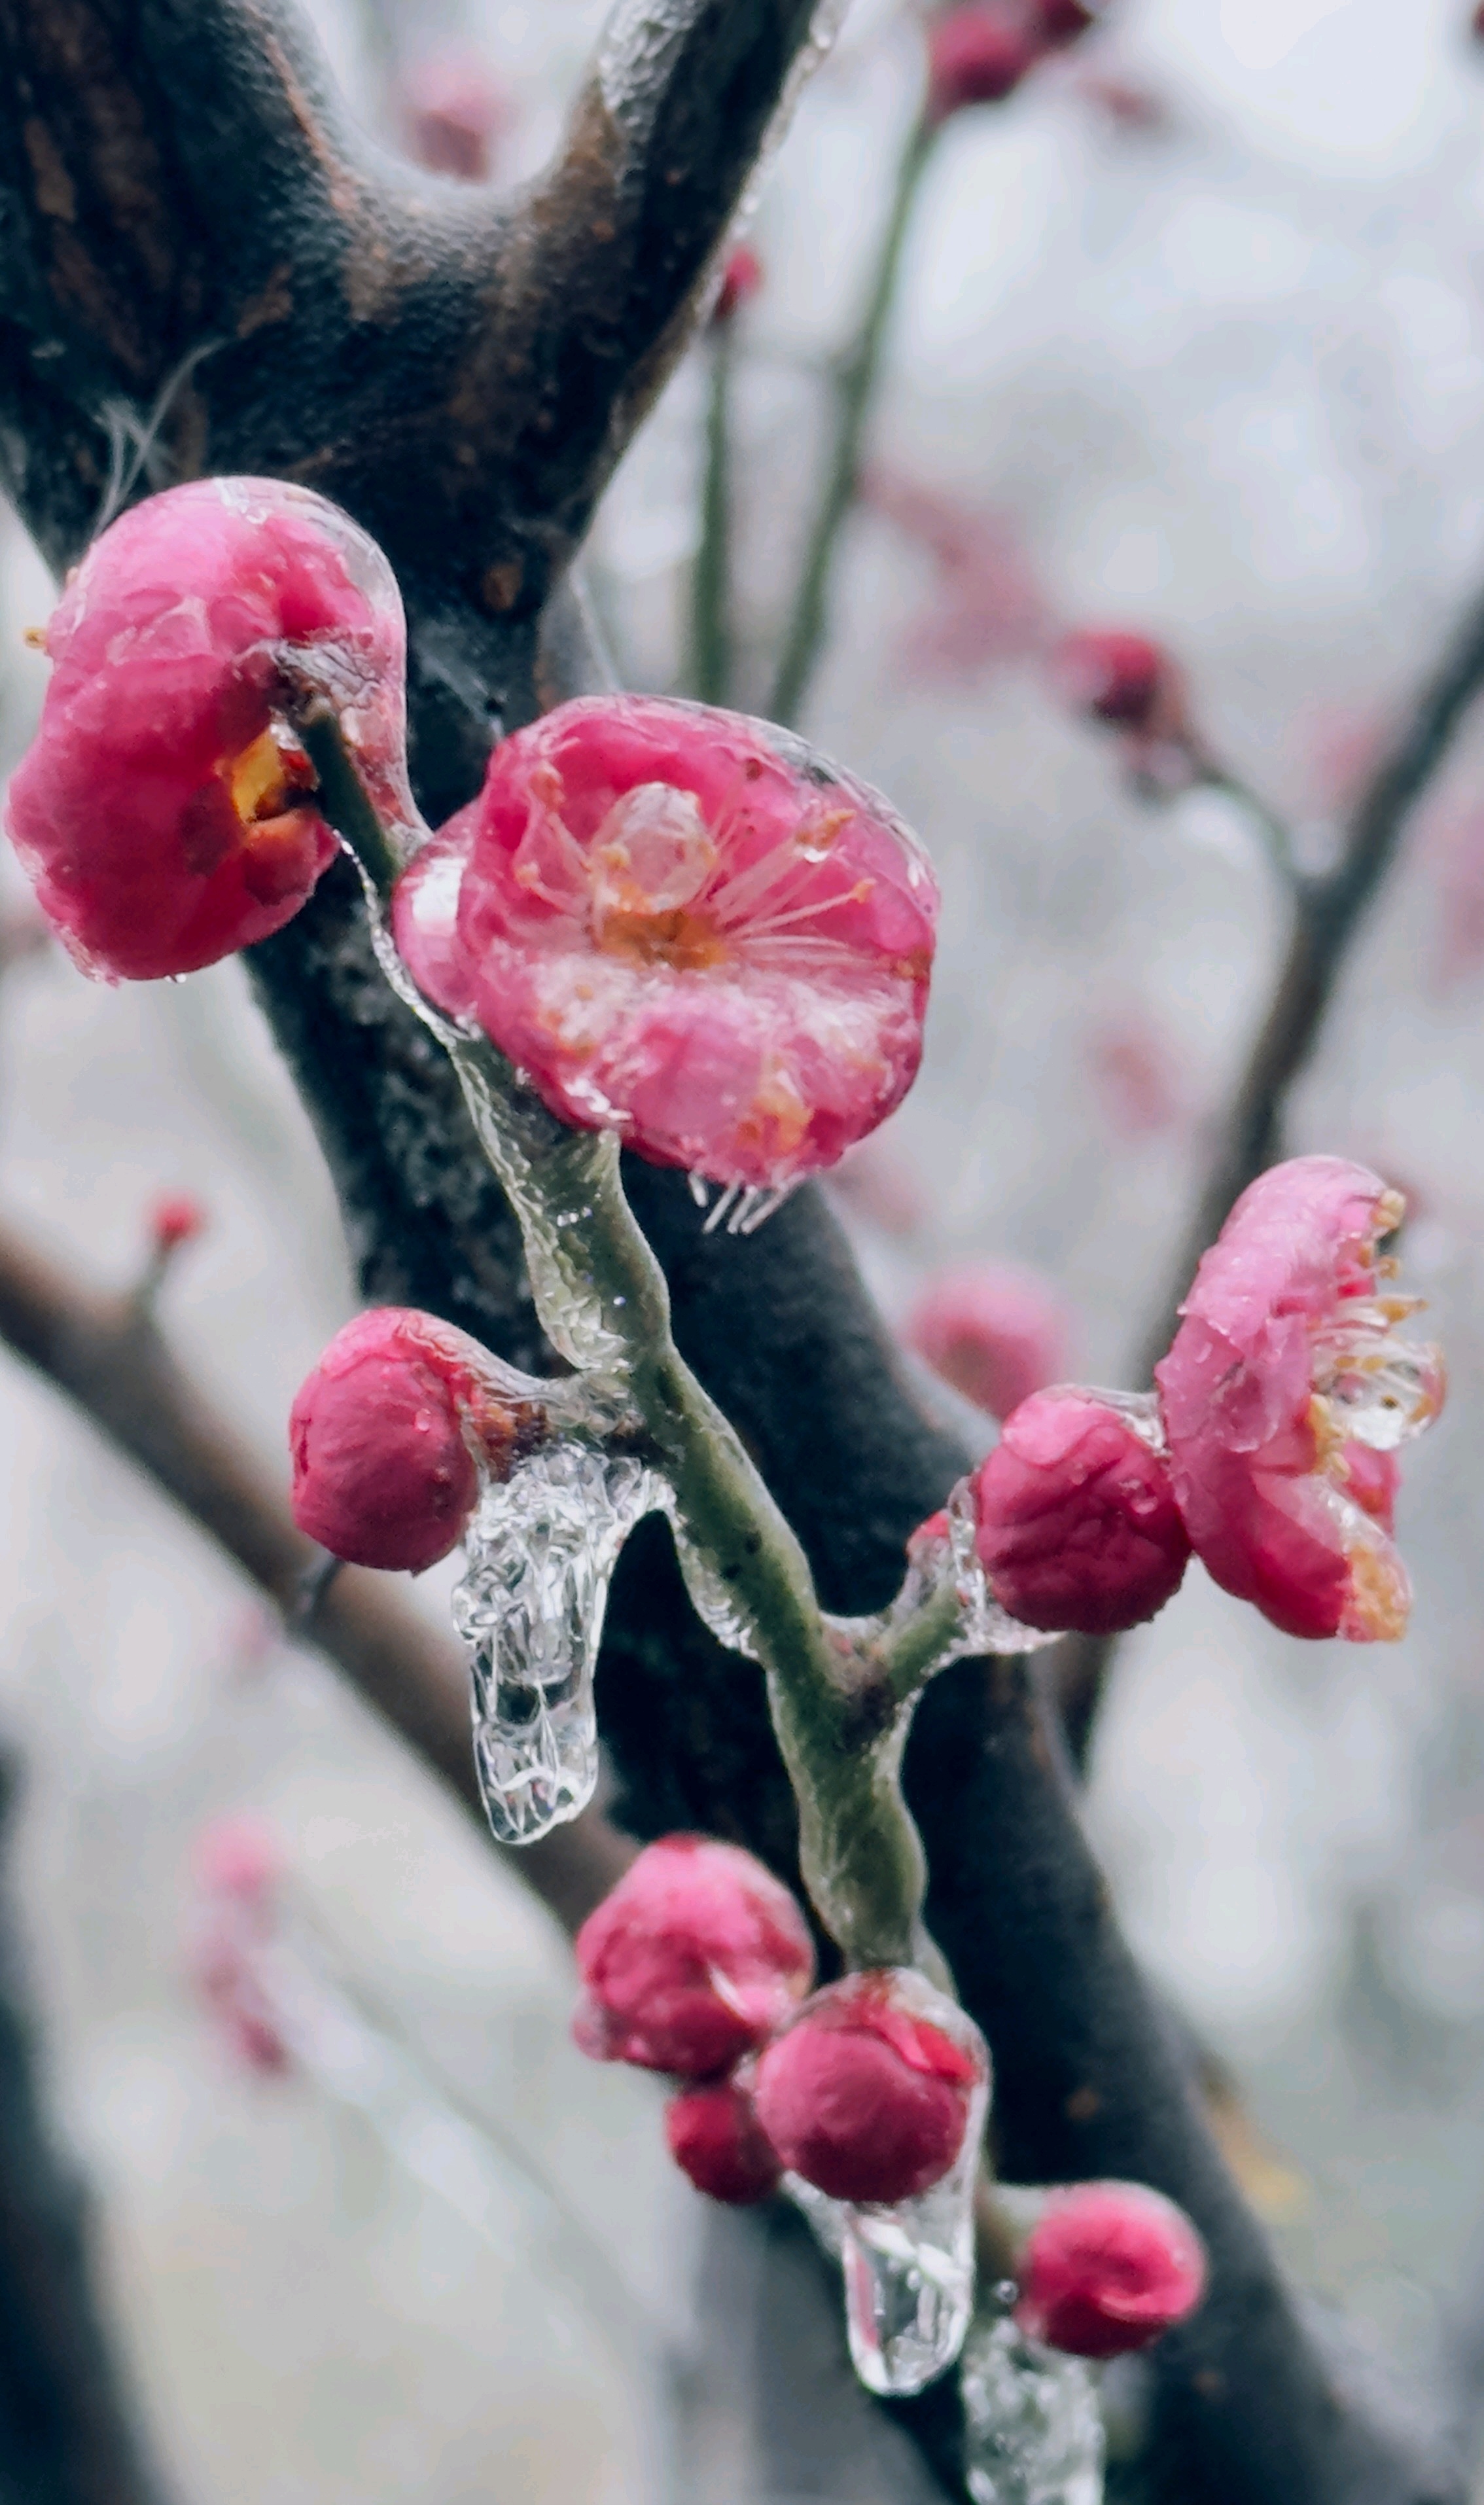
(164, 810)
(684, 926)
(1285, 1377)
(995, 1333)
(391, 1432)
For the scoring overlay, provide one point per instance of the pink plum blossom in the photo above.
(684, 926)
(1121, 678)
(1286, 1361)
(1108, 2267)
(393, 1430)
(691, 1960)
(867, 2091)
(1075, 1521)
(977, 54)
(996, 1332)
(164, 810)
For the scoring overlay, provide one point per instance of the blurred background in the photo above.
(1189, 338)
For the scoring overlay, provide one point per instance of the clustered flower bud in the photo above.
(394, 1432)
(867, 2091)
(684, 926)
(164, 810)
(715, 2137)
(995, 1333)
(1075, 1523)
(694, 1958)
(1108, 2267)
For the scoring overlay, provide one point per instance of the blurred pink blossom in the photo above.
(1137, 1076)
(238, 1864)
(996, 1332)
(456, 115)
(986, 608)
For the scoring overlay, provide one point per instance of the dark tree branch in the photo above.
(462, 374)
(1327, 913)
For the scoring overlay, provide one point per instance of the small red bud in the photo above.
(712, 2135)
(177, 1218)
(1116, 676)
(456, 115)
(868, 2093)
(1107, 2268)
(977, 54)
(741, 280)
(693, 1959)
(1077, 1523)
(1062, 22)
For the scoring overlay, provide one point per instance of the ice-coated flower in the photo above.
(392, 1431)
(455, 113)
(996, 1332)
(867, 2093)
(1120, 678)
(693, 1959)
(977, 54)
(1286, 1361)
(741, 279)
(684, 926)
(1075, 1523)
(714, 2136)
(164, 810)
(1107, 2268)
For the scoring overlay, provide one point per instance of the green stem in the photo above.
(343, 798)
(854, 390)
(711, 621)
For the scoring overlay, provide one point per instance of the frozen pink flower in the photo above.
(1123, 679)
(977, 54)
(1075, 1521)
(693, 1959)
(741, 280)
(392, 1431)
(455, 113)
(177, 1218)
(714, 2136)
(1287, 1358)
(996, 1332)
(867, 2091)
(164, 810)
(684, 926)
(1107, 2268)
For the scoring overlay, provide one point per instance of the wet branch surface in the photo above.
(461, 372)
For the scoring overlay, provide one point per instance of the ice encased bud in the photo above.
(1107, 2268)
(1075, 1523)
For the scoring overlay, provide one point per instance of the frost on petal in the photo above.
(164, 810)
(682, 926)
(1285, 1390)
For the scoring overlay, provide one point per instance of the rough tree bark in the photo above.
(205, 269)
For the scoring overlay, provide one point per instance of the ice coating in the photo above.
(693, 1960)
(682, 926)
(1077, 1525)
(1033, 2430)
(867, 2091)
(1108, 2267)
(394, 1432)
(164, 810)
(541, 1553)
(1286, 1363)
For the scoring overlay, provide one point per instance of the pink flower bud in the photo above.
(683, 926)
(741, 280)
(995, 1333)
(164, 810)
(1107, 2268)
(177, 1218)
(1075, 1520)
(977, 54)
(238, 1864)
(456, 115)
(1120, 678)
(712, 2133)
(1287, 1359)
(693, 1959)
(1063, 21)
(391, 1430)
(238, 1857)
(866, 2094)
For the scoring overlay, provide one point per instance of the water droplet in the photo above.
(1033, 2427)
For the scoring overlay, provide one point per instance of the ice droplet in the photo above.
(540, 1554)
(1033, 2427)
(908, 2270)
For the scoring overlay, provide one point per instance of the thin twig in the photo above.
(854, 390)
(1326, 913)
(710, 617)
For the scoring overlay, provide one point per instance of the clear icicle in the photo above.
(720, 1208)
(1033, 2427)
(540, 1555)
(908, 2270)
(713, 1600)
